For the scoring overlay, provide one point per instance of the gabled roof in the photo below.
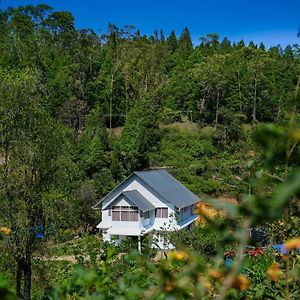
(168, 187)
(164, 184)
(139, 200)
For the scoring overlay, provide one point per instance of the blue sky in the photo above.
(273, 22)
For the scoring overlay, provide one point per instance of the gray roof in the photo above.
(162, 183)
(139, 200)
(168, 187)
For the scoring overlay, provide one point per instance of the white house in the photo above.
(147, 202)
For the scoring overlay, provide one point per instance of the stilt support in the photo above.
(139, 244)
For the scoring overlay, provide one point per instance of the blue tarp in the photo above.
(38, 231)
(280, 248)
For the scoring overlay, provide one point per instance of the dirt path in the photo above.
(69, 258)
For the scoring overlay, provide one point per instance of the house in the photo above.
(147, 202)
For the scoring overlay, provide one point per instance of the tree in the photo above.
(185, 45)
(211, 79)
(256, 77)
(93, 157)
(230, 129)
(172, 42)
(87, 199)
(72, 113)
(139, 136)
(31, 146)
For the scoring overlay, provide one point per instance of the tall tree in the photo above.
(211, 80)
(172, 42)
(140, 136)
(185, 45)
(31, 144)
(93, 157)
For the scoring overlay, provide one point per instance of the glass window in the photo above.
(161, 212)
(164, 213)
(125, 213)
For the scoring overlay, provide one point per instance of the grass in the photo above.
(77, 246)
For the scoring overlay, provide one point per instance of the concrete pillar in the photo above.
(139, 244)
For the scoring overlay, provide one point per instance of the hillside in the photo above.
(81, 110)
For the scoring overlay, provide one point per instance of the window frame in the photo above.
(162, 212)
(125, 213)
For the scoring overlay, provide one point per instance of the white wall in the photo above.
(134, 183)
(159, 224)
(121, 201)
(159, 241)
(167, 224)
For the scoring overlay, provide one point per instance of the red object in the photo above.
(255, 252)
(229, 253)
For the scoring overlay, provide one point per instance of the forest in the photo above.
(80, 111)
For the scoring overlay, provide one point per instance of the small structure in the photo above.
(147, 202)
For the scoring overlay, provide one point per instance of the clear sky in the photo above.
(271, 21)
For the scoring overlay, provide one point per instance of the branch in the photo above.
(228, 281)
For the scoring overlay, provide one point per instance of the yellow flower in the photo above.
(206, 283)
(5, 230)
(292, 244)
(178, 255)
(216, 274)
(241, 282)
(251, 154)
(295, 135)
(274, 272)
(206, 211)
(169, 286)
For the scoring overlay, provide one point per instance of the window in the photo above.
(115, 215)
(157, 212)
(161, 212)
(125, 213)
(146, 215)
(192, 210)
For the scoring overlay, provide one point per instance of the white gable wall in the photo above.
(134, 183)
(121, 201)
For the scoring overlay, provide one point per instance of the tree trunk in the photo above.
(254, 119)
(240, 94)
(18, 279)
(217, 110)
(27, 279)
(126, 98)
(111, 100)
(201, 107)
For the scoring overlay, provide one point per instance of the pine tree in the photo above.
(262, 47)
(252, 45)
(172, 42)
(140, 136)
(185, 45)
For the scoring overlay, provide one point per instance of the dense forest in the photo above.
(80, 111)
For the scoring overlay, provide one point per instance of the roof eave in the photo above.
(106, 196)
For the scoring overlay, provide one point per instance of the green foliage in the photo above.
(6, 292)
(261, 286)
(200, 239)
(229, 130)
(192, 156)
(139, 137)
(57, 158)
